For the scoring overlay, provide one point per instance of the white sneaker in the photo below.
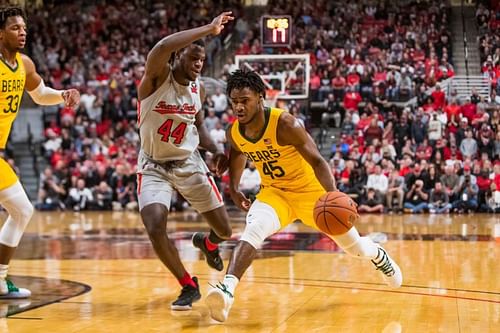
(9, 290)
(219, 301)
(389, 269)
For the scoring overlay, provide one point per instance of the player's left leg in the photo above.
(262, 222)
(353, 244)
(20, 209)
(197, 186)
(220, 231)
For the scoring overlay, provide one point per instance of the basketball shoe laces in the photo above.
(384, 264)
(11, 286)
(221, 286)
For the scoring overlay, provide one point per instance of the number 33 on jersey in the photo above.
(11, 91)
(279, 166)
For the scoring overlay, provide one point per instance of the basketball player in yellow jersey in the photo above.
(17, 71)
(294, 176)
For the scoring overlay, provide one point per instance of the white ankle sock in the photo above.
(3, 271)
(355, 245)
(231, 282)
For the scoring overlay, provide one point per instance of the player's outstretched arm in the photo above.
(157, 67)
(291, 132)
(43, 95)
(237, 162)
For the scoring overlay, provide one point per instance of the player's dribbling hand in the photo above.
(219, 21)
(221, 163)
(71, 98)
(240, 200)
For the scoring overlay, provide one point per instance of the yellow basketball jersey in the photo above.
(280, 167)
(11, 91)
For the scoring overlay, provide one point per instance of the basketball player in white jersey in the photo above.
(171, 128)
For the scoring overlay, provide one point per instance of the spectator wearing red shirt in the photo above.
(54, 128)
(67, 115)
(428, 105)
(405, 166)
(468, 110)
(479, 118)
(454, 123)
(364, 122)
(380, 75)
(339, 86)
(373, 132)
(345, 176)
(353, 80)
(418, 54)
(496, 175)
(351, 99)
(452, 153)
(424, 151)
(483, 180)
(439, 98)
(453, 109)
(315, 83)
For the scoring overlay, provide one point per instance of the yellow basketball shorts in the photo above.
(7, 176)
(291, 206)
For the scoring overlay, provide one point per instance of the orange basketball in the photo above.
(335, 213)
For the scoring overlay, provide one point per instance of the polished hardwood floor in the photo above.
(96, 272)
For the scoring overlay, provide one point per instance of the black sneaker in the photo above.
(188, 296)
(213, 257)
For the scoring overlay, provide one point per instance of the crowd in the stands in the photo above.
(440, 155)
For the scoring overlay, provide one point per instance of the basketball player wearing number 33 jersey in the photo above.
(294, 175)
(171, 127)
(17, 71)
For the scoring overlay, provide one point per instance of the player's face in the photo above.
(192, 61)
(246, 104)
(13, 36)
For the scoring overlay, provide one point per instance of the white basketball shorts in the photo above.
(156, 183)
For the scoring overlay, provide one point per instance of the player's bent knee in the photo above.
(261, 223)
(253, 235)
(154, 219)
(155, 227)
(20, 212)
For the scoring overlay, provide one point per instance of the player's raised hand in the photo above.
(240, 200)
(219, 21)
(221, 163)
(71, 98)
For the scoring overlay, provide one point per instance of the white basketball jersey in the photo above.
(166, 121)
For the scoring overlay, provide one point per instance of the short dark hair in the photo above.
(199, 42)
(244, 78)
(6, 12)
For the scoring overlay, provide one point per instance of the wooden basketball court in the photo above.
(96, 272)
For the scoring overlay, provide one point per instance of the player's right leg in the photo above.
(363, 247)
(154, 194)
(262, 221)
(194, 181)
(352, 243)
(14, 199)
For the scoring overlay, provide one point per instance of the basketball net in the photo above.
(272, 96)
